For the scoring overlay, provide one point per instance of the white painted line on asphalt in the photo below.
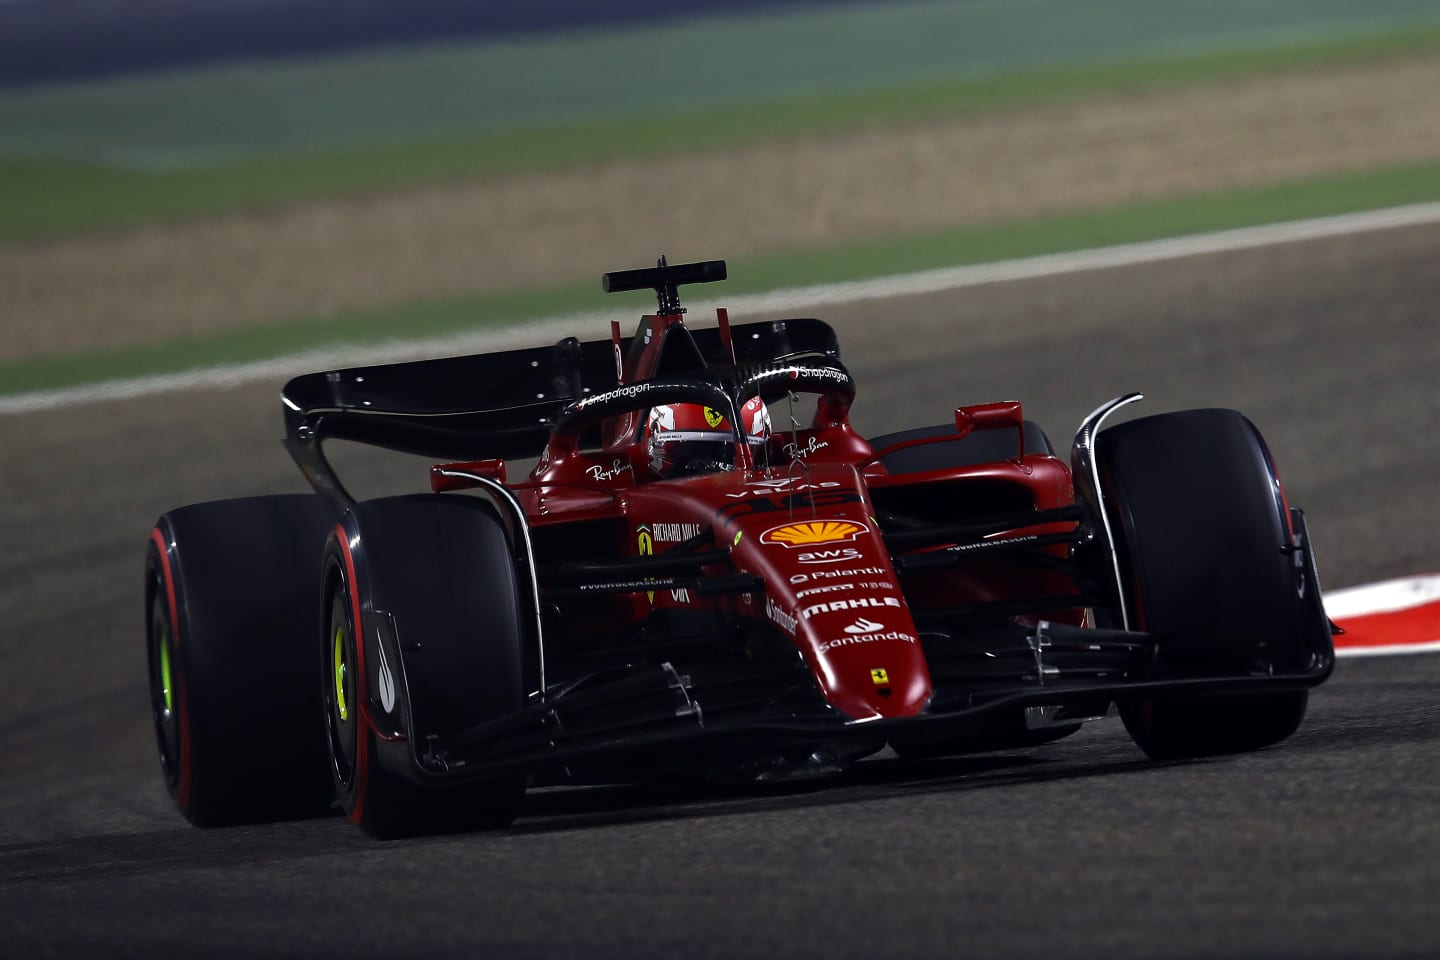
(1398, 616)
(1387, 596)
(1389, 650)
(1100, 258)
(924, 282)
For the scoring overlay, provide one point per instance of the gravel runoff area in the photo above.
(513, 232)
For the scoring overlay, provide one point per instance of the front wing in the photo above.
(658, 714)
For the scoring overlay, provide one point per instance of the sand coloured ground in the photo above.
(522, 231)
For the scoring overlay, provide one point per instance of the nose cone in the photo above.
(871, 664)
(832, 589)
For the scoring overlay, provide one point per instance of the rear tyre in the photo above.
(439, 569)
(229, 610)
(1202, 533)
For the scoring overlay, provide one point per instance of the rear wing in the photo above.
(493, 405)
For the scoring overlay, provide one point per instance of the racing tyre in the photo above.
(435, 575)
(1204, 538)
(229, 620)
(1179, 728)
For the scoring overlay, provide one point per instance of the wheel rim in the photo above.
(163, 696)
(337, 657)
(165, 675)
(338, 682)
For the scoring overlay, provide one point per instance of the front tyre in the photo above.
(1205, 545)
(1175, 728)
(438, 569)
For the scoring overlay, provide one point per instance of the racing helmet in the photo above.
(689, 439)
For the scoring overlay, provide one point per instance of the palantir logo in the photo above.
(864, 626)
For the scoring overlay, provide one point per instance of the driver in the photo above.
(690, 439)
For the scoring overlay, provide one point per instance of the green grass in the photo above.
(42, 200)
(1139, 222)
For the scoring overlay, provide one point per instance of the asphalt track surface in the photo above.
(1327, 846)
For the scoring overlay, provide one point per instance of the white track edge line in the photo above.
(1386, 596)
(1389, 650)
(910, 284)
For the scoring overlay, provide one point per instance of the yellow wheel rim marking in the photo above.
(338, 658)
(165, 671)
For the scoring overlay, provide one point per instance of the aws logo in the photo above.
(832, 555)
(814, 532)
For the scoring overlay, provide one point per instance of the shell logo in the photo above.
(814, 532)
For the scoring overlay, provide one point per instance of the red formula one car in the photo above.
(708, 572)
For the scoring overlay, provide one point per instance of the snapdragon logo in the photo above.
(815, 373)
(622, 392)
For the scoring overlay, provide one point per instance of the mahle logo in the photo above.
(837, 606)
(814, 532)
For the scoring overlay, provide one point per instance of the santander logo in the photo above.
(864, 626)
